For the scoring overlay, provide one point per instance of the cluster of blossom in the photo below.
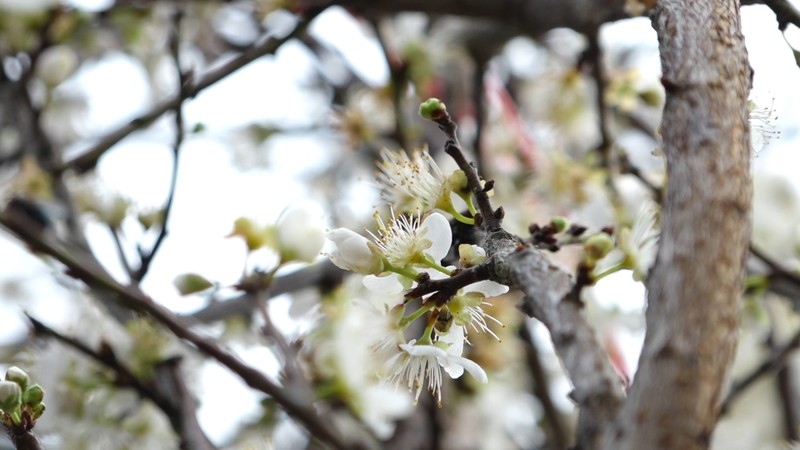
(409, 244)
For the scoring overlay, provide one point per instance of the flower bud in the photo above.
(254, 236)
(559, 223)
(10, 396)
(33, 395)
(353, 252)
(300, 234)
(433, 109)
(598, 246)
(470, 255)
(18, 376)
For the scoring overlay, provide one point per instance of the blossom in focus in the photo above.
(417, 363)
(410, 183)
(404, 240)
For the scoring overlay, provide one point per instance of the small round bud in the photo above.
(10, 395)
(18, 376)
(432, 109)
(33, 395)
(559, 223)
(598, 246)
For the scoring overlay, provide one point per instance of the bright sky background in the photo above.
(212, 192)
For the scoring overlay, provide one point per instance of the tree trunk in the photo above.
(696, 285)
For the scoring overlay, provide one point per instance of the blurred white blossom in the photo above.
(300, 233)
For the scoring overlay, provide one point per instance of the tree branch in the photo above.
(266, 45)
(179, 409)
(529, 17)
(695, 286)
(81, 268)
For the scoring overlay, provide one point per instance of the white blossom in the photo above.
(417, 363)
(641, 243)
(353, 252)
(410, 183)
(300, 234)
(405, 240)
(762, 125)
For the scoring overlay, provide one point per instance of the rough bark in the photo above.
(696, 285)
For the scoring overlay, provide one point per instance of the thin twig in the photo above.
(120, 250)
(777, 360)
(595, 55)
(183, 94)
(492, 220)
(554, 426)
(478, 98)
(784, 10)
(266, 45)
(398, 73)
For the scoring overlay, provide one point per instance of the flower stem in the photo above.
(406, 321)
(613, 269)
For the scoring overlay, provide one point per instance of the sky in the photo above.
(213, 192)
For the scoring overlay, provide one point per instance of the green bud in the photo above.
(598, 246)
(651, 97)
(152, 218)
(18, 376)
(33, 395)
(37, 411)
(433, 109)
(191, 283)
(470, 255)
(560, 223)
(254, 236)
(10, 396)
(458, 181)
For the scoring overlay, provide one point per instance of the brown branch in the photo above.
(183, 94)
(266, 45)
(784, 10)
(774, 363)
(529, 16)
(547, 290)
(179, 409)
(597, 389)
(24, 439)
(782, 281)
(130, 297)
(323, 275)
(492, 220)
(695, 287)
(554, 427)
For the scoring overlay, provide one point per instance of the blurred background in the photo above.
(565, 121)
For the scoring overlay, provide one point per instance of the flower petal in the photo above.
(385, 284)
(440, 235)
(487, 288)
(474, 369)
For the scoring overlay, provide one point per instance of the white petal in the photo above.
(352, 251)
(423, 350)
(487, 288)
(385, 284)
(453, 368)
(440, 235)
(475, 370)
(455, 340)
